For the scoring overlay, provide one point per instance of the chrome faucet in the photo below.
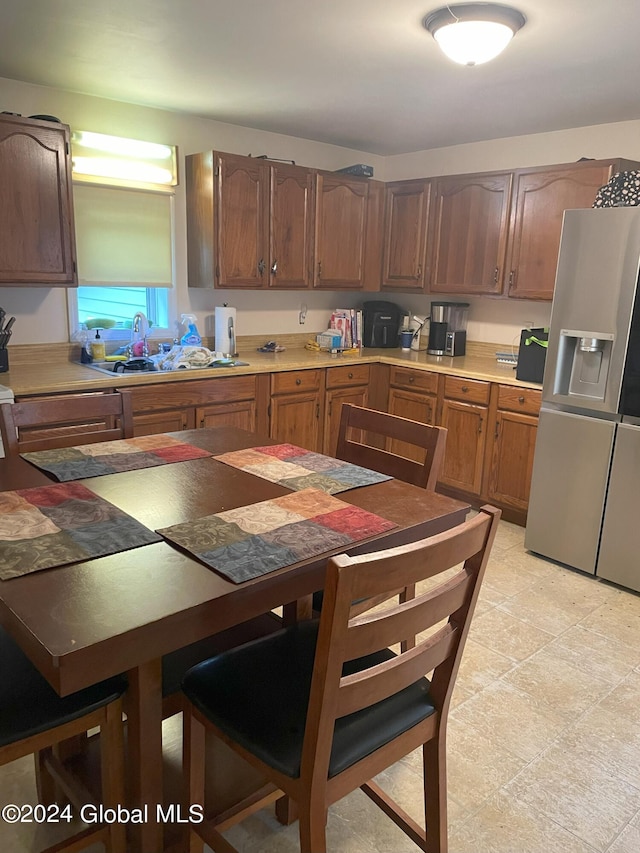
(139, 331)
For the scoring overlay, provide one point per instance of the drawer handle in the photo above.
(521, 399)
(464, 389)
(298, 381)
(351, 376)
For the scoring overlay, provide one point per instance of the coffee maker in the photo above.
(448, 328)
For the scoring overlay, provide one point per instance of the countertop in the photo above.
(44, 369)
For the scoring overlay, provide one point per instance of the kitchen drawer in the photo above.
(525, 400)
(467, 390)
(417, 380)
(198, 392)
(292, 381)
(343, 377)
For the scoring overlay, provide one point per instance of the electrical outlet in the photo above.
(528, 324)
(302, 316)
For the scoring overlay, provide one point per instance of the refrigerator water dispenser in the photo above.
(583, 363)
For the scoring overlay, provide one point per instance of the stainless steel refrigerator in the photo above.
(584, 506)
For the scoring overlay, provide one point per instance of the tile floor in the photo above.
(544, 734)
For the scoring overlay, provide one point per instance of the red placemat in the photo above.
(297, 468)
(59, 524)
(111, 457)
(253, 540)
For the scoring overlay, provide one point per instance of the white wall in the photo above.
(42, 313)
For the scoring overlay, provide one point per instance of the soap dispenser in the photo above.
(98, 350)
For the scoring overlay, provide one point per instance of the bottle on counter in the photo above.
(98, 350)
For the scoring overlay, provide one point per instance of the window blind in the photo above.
(123, 236)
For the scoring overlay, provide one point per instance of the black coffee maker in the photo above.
(381, 323)
(448, 328)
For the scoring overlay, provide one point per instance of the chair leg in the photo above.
(313, 827)
(193, 763)
(435, 794)
(45, 786)
(112, 771)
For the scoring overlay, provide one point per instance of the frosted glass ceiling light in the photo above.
(473, 33)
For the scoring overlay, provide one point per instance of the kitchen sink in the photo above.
(143, 366)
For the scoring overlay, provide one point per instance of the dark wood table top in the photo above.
(84, 622)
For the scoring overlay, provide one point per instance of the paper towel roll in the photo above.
(225, 329)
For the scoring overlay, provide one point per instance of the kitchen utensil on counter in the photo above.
(448, 328)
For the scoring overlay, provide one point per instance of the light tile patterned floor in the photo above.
(544, 734)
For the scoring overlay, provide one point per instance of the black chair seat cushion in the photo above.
(258, 695)
(28, 703)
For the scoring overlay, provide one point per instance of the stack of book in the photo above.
(348, 323)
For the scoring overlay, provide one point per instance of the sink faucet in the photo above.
(139, 330)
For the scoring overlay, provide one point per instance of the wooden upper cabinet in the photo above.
(406, 211)
(290, 226)
(241, 190)
(249, 222)
(37, 241)
(470, 220)
(340, 232)
(540, 197)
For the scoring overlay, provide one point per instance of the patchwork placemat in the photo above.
(110, 457)
(250, 541)
(59, 524)
(297, 468)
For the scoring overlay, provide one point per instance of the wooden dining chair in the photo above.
(34, 720)
(361, 430)
(323, 706)
(366, 437)
(64, 421)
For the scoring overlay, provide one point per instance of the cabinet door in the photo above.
(158, 422)
(405, 235)
(466, 436)
(241, 211)
(295, 419)
(340, 229)
(241, 415)
(333, 409)
(540, 199)
(290, 227)
(417, 407)
(514, 440)
(470, 215)
(37, 245)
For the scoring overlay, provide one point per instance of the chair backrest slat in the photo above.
(379, 682)
(377, 630)
(364, 438)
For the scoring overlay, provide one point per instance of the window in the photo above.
(124, 238)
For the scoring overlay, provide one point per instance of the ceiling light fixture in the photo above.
(473, 33)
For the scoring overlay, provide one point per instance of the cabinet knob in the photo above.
(274, 267)
(351, 376)
(464, 389)
(298, 381)
(521, 399)
(412, 379)
(261, 266)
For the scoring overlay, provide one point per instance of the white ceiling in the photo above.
(363, 74)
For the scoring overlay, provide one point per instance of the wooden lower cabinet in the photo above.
(296, 408)
(348, 384)
(465, 410)
(512, 442)
(413, 395)
(225, 401)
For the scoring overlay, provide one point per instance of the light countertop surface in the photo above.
(43, 369)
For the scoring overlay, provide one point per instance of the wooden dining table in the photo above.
(84, 622)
